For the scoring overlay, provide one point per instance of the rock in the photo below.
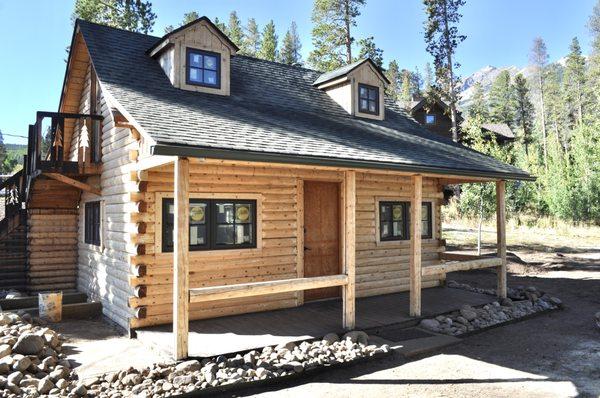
(296, 366)
(45, 385)
(556, 301)
(62, 383)
(5, 319)
(506, 302)
(15, 378)
(21, 364)
(430, 324)
(330, 338)
(188, 366)
(80, 390)
(4, 368)
(182, 380)
(29, 344)
(5, 350)
(468, 312)
(597, 316)
(132, 379)
(260, 372)
(357, 336)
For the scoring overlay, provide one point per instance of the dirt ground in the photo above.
(553, 355)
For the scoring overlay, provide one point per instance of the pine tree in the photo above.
(556, 109)
(368, 49)
(234, 30)
(393, 75)
(252, 39)
(268, 45)
(221, 25)
(524, 111)
(291, 46)
(539, 60)
(3, 155)
(593, 75)
(417, 83)
(136, 16)
(501, 101)
(406, 89)
(478, 107)
(442, 38)
(574, 81)
(331, 35)
(428, 82)
(189, 17)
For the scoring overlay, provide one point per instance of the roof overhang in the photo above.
(321, 82)
(268, 157)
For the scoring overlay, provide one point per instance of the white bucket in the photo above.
(50, 306)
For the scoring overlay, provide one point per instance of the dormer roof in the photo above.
(157, 47)
(347, 69)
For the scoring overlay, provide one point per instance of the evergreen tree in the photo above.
(268, 45)
(428, 82)
(417, 82)
(556, 109)
(3, 155)
(331, 35)
(539, 60)
(187, 18)
(252, 39)
(133, 15)
(478, 108)
(393, 75)
(501, 102)
(290, 48)
(524, 111)
(368, 49)
(442, 38)
(574, 81)
(406, 87)
(234, 30)
(593, 75)
(221, 25)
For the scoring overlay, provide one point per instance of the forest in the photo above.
(554, 112)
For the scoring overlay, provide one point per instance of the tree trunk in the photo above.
(451, 87)
(544, 136)
(348, 36)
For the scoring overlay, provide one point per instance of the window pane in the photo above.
(210, 77)
(210, 62)
(197, 213)
(196, 75)
(372, 94)
(398, 228)
(385, 212)
(429, 119)
(364, 104)
(398, 212)
(385, 230)
(224, 213)
(225, 235)
(363, 92)
(197, 235)
(425, 213)
(243, 213)
(243, 234)
(372, 107)
(196, 60)
(425, 229)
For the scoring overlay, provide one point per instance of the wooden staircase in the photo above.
(13, 252)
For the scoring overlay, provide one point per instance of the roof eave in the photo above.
(229, 154)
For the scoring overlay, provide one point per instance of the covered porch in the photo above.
(342, 313)
(218, 336)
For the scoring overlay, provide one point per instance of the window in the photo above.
(214, 224)
(429, 119)
(92, 223)
(394, 221)
(368, 99)
(203, 68)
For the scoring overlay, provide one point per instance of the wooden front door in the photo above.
(321, 235)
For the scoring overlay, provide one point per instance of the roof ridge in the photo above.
(81, 20)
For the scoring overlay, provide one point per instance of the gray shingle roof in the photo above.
(273, 109)
(344, 70)
(501, 129)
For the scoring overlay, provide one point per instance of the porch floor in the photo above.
(230, 334)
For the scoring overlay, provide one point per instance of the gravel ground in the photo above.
(553, 355)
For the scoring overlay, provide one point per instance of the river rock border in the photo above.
(521, 302)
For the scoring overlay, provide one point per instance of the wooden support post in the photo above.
(501, 236)
(349, 317)
(181, 297)
(415, 246)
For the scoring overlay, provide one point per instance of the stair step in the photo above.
(32, 301)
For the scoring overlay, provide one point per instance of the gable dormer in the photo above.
(196, 57)
(358, 88)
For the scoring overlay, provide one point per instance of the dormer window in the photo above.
(203, 68)
(429, 119)
(368, 99)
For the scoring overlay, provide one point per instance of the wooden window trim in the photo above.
(425, 239)
(159, 196)
(92, 224)
(95, 135)
(368, 87)
(190, 50)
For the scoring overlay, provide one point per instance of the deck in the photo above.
(217, 336)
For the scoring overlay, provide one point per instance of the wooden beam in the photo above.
(459, 256)
(181, 298)
(74, 183)
(501, 236)
(415, 246)
(349, 291)
(212, 293)
(461, 266)
(153, 161)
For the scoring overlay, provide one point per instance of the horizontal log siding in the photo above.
(382, 268)
(104, 271)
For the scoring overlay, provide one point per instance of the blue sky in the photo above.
(34, 34)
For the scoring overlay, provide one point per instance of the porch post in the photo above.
(501, 236)
(349, 248)
(181, 286)
(415, 246)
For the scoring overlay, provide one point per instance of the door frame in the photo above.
(300, 226)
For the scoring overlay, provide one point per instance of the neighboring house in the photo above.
(433, 115)
(182, 171)
(500, 131)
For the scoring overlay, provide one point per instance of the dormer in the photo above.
(196, 57)
(358, 88)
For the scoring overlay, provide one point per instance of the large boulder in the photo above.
(29, 344)
(430, 324)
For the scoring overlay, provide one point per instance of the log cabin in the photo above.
(184, 181)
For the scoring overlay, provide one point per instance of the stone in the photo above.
(4, 368)
(182, 380)
(5, 319)
(80, 390)
(29, 344)
(188, 366)
(62, 383)
(357, 336)
(430, 324)
(468, 313)
(132, 379)
(597, 316)
(556, 301)
(15, 378)
(45, 385)
(21, 364)
(5, 350)
(506, 302)
(331, 338)
(260, 372)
